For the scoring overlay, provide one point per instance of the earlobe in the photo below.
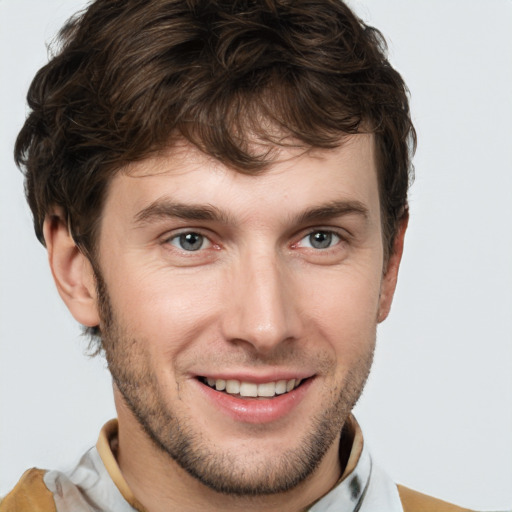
(71, 270)
(391, 272)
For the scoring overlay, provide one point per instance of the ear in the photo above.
(71, 270)
(391, 271)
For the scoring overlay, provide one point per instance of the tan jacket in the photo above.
(31, 495)
(97, 482)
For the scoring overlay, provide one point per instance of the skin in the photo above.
(257, 301)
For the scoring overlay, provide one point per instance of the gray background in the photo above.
(437, 412)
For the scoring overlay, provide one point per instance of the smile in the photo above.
(251, 389)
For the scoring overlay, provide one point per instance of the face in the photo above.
(239, 312)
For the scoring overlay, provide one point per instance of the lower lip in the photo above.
(256, 410)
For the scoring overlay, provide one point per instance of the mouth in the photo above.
(255, 400)
(244, 389)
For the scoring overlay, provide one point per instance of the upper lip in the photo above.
(260, 378)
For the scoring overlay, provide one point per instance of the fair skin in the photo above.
(210, 276)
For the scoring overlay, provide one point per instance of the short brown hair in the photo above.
(132, 76)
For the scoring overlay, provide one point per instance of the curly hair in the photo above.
(134, 76)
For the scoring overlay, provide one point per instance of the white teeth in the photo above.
(233, 387)
(250, 389)
(280, 387)
(267, 389)
(290, 385)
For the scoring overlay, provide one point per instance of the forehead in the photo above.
(295, 179)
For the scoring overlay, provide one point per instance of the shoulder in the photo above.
(29, 495)
(413, 501)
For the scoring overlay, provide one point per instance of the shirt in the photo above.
(96, 484)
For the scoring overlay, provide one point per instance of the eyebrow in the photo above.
(165, 208)
(332, 210)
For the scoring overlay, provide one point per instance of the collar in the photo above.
(349, 490)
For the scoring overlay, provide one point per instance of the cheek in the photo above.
(162, 305)
(343, 308)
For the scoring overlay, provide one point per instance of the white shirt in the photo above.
(96, 483)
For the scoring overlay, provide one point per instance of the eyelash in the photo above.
(181, 237)
(332, 238)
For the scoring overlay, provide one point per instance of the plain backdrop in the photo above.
(437, 411)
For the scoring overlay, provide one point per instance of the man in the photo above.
(222, 193)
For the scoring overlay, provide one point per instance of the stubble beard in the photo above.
(224, 472)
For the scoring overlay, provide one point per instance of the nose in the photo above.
(263, 307)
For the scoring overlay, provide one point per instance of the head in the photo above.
(232, 92)
(235, 79)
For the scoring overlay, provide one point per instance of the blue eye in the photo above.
(190, 241)
(320, 239)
